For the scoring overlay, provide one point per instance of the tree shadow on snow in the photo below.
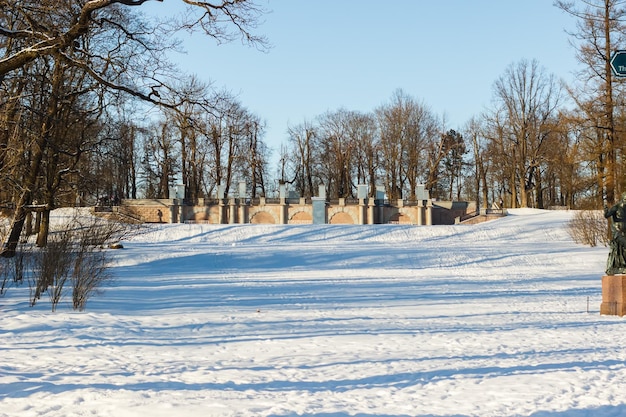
(363, 415)
(604, 411)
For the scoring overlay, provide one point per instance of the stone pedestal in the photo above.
(319, 210)
(613, 295)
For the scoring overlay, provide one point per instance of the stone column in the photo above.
(283, 203)
(243, 211)
(381, 214)
(420, 213)
(221, 213)
(283, 211)
(222, 203)
(362, 196)
(319, 210)
(362, 213)
(182, 211)
(243, 207)
(319, 206)
(173, 211)
(232, 211)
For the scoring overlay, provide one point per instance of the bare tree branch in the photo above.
(242, 14)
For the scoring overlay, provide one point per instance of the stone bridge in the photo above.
(295, 211)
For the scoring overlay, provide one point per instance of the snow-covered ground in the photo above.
(497, 319)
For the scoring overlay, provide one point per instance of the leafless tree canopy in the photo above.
(38, 28)
(70, 67)
(92, 112)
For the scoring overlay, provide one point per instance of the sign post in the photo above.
(618, 63)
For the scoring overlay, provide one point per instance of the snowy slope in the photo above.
(308, 320)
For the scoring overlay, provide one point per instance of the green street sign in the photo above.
(618, 63)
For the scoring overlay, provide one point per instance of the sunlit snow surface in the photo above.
(497, 319)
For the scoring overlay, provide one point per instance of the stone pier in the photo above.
(613, 295)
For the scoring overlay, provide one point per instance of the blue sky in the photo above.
(353, 54)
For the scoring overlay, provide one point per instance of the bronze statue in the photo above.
(616, 263)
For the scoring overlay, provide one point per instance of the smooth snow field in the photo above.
(497, 319)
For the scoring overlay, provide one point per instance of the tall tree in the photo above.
(407, 130)
(255, 157)
(337, 146)
(364, 133)
(188, 119)
(600, 28)
(29, 184)
(529, 100)
(453, 161)
(301, 158)
(475, 130)
(160, 160)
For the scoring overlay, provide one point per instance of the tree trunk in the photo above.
(44, 229)
(29, 223)
(609, 107)
(513, 203)
(485, 190)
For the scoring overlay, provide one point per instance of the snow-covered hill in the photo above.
(497, 319)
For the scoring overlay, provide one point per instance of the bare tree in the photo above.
(337, 149)
(302, 158)
(160, 161)
(363, 131)
(232, 135)
(407, 130)
(340, 150)
(255, 157)
(475, 131)
(75, 20)
(38, 150)
(529, 100)
(600, 28)
(453, 161)
(116, 50)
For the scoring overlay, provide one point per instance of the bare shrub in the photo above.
(97, 231)
(20, 262)
(89, 274)
(51, 268)
(90, 270)
(12, 270)
(588, 227)
(4, 274)
(74, 256)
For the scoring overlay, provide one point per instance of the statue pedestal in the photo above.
(613, 295)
